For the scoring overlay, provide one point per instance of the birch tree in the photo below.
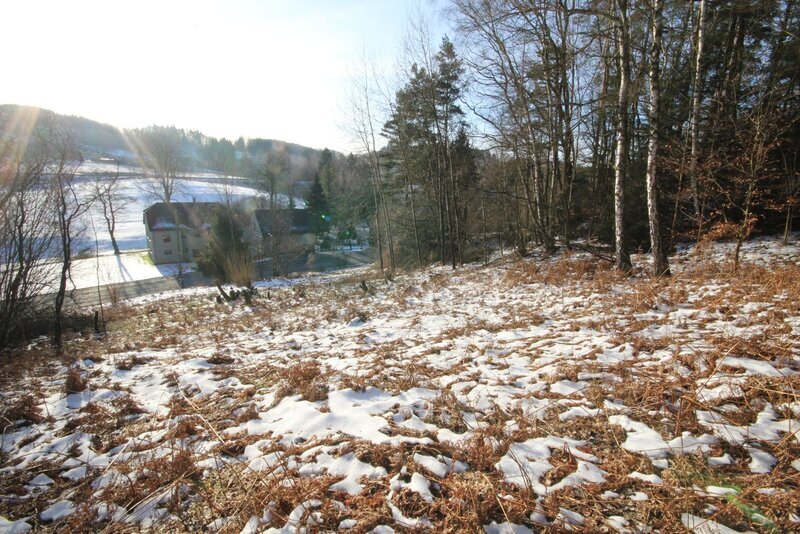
(364, 128)
(695, 113)
(657, 247)
(622, 254)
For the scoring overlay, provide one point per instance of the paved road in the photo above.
(90, 297)
(317, 262)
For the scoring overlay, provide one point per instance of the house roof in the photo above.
(161, 216)
(296, 219)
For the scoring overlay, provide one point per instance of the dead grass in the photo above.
(155, 476)
(220, 358)
(26, 409)
(75, 382)
(126, 364)
(305, 379)
(662, 395)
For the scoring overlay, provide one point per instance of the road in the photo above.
(90, 297)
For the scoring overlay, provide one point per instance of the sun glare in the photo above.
(254, 69)
(18, 128)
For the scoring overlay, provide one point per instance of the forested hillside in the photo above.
(198, 151)
(636, 123)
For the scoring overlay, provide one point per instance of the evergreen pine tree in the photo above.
(317, 205)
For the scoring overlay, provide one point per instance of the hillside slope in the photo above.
(99, 139)
(529, 393)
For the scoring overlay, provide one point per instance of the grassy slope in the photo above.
(181, 398)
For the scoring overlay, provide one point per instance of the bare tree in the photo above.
(158, 150)
(222, 158)
(695, 114)
(69, 206)
(503, 51)
(26, 232)
(271, 169)
(363, 127)
(108, 194)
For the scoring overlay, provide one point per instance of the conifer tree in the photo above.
(317, 205)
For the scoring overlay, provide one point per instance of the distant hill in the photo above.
(86, 132)
(97, 139)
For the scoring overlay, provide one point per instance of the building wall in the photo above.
(163, 245)
(307, 240)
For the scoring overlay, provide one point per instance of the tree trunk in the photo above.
(111, 223)
(623, 258)
(483, 224)
(787, 228)
(66, 263)
(377, 225)
(273, 205)
(744, 226)
(410, 188)
(58, 323)
(660, 263)
(695, 127)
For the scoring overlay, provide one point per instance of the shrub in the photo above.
(239, 268)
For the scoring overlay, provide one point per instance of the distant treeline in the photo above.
(199, 152)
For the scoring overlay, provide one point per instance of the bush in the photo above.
(227, 258)
(239, 269)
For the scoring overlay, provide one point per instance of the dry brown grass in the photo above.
(305, 379)
(126, 364)
(239, 269)
(220, 358)
(75, 381)
(358, 382)
(566, 269)
(25, 408)
(154, 476)
(657, 395)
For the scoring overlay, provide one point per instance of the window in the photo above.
(168, 252)
(195, 252)
(166, 238)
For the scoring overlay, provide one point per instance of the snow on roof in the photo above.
(190, 215)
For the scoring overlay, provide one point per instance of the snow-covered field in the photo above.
(544, 393)
(108, 166)
(130, 231)
(112, 269)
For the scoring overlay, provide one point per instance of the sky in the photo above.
(275, 69)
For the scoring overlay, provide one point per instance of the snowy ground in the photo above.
(528, 394)
(111, 269)
(109, 166)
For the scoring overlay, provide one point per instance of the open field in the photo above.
(538, 394)
(135, 195)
